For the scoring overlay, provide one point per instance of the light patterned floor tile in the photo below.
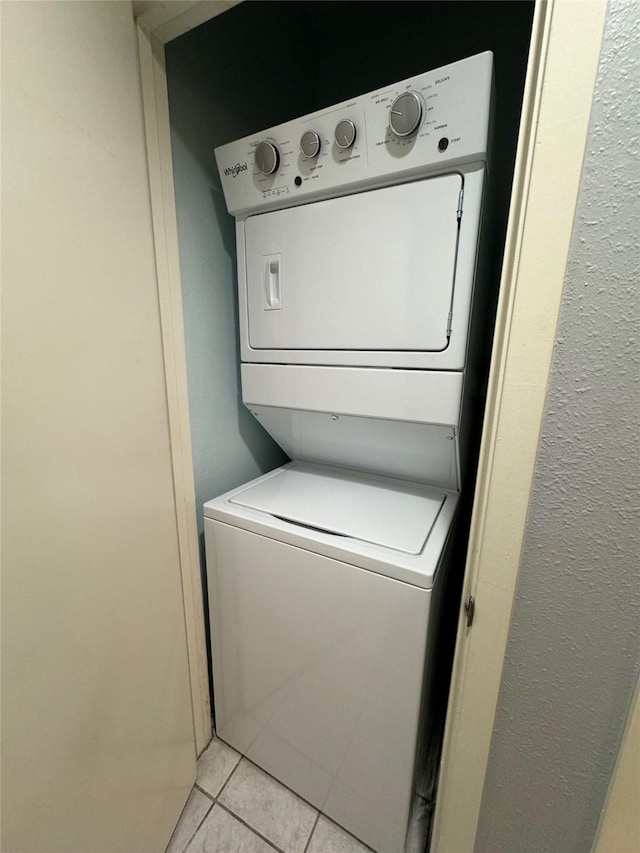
(222, 833)
(215, 765)
(328, 837)
(269, 807)
(192, 816)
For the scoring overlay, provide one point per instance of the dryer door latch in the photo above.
(459, 210)
(272, 282)
(469, 609)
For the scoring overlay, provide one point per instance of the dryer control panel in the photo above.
(426, 124)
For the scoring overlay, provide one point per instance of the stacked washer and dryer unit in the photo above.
(357, 234)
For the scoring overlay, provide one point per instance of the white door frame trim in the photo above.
(166, 20)
(560, 81)
(563, 63)
(619, 827)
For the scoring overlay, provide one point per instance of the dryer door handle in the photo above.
(272, 282)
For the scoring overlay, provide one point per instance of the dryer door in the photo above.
(371, 271)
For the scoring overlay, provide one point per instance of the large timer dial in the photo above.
(405, 114)
(267, 157)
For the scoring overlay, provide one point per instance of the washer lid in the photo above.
(379, 511)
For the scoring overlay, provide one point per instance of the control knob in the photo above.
(267, 157)
(405, 114)
(310, 143)
(345, 134)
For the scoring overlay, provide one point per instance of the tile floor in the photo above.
(237, 808)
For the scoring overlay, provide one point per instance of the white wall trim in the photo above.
(563, 63)
(156, 115)
(619, 828)
(168, 19)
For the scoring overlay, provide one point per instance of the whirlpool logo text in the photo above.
(235, 170)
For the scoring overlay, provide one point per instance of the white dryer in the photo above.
(357, 235)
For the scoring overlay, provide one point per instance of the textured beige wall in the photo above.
(572, 658)
(97, 737)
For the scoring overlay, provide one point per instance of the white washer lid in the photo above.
(372, 509)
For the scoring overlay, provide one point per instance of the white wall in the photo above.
(97, 733)
(572, 656)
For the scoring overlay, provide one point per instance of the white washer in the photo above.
(321, 600)
(359, 301)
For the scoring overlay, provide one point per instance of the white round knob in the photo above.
(345, 134)
(405, 114)
(310, 143)
(267, 157)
